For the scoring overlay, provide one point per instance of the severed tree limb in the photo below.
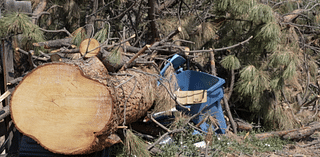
(212, 64)
(64, 50)
(34, 57)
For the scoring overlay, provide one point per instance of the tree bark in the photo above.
(76, 108)
(151, 15)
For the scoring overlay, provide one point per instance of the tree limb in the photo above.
(224, 48)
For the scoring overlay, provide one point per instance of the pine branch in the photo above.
(220, 49)
(57, 31)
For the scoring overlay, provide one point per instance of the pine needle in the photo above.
(135, 146)
(115, 56)
(16, 23)
(78, 36)
(230, 62)
(101, 35)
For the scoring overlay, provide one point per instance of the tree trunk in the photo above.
(75, 108)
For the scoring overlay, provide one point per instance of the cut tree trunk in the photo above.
(75, 107)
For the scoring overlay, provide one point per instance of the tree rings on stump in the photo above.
(63, 110)
(91, 45)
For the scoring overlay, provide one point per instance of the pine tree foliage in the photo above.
(269, 35)
(273, 61)
(230, 62)
(18, 23)
(199, 33)
(135, 146)
(115, 56)
(78, 36)
(252, 81)
(101, 35)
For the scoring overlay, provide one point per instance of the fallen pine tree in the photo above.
(76, 107)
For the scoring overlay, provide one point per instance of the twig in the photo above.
(195, 115)
(290, 23)
(167, 133)
(316, 108)
(203, 120)
(14, 81)
(310, 144)
(124, 12)
(195, 128)
(30, 60)
(35, 57)
(310, 102)
(305, 95)
(57, 31)
(155, 121)
(4, 95)
(134, 57)
(100, 8)
(169, 36)
(220, 49)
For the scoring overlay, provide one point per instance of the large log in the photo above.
(75, 108)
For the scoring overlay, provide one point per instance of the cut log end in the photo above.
(91, 45)
(62, 109)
